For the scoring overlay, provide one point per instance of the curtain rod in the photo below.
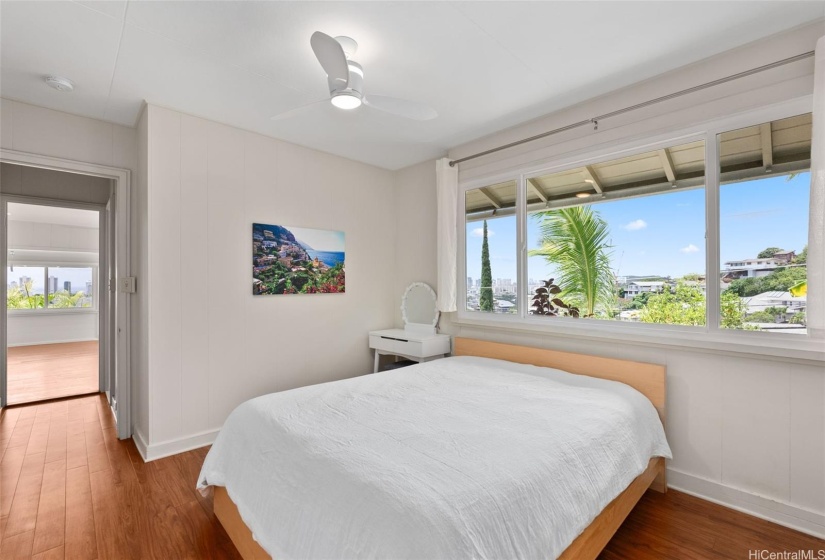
(595, 120)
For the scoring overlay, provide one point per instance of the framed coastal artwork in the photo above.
(295, 260)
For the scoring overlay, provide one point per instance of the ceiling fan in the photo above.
(346, 80)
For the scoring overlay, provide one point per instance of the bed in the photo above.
(500, 451)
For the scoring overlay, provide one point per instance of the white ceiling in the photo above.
(483, 66)
(53, 215)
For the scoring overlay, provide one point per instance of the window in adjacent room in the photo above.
(50, 287)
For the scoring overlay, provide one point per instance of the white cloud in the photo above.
(691, 248)
(635, 225)
(479, 232)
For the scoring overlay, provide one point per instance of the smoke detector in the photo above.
(59, 83)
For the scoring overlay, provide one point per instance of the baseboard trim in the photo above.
(67, 341)
(152, 452)
(800, 519)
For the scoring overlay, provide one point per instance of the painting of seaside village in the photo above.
(293, 260)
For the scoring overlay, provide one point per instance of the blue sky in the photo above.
(665, 234)
(320, 239)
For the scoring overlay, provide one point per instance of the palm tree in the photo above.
(575, 241)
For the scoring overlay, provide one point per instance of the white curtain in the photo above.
(816, 235)
(447, 193)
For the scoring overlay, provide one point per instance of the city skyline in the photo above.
(78, 277)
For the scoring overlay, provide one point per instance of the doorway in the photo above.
(64, 245)
(55, 308)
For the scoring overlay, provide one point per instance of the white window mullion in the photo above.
(45, 287)
(712, 266)
(522, 296)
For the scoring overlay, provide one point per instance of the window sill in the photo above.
(746, 344)
(47, 311)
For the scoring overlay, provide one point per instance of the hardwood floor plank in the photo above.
(22, 431)
(117, 520)
(81, 543)
(10, 468)
(96, 454)
(23, 513)
(76, 455)
(56, 444)
(211, 541)
(17, 546)
(121, 464)
(51, 511)
(53, 554)
(49, 371)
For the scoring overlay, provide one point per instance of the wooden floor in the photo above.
(51, 371)
(70, 489)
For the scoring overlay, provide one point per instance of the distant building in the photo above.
(89, 287)
(763, 301)
(67, 286)
(751, 268)
(52, 284)
(633, 289)
(503, 306)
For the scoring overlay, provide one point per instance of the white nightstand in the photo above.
(413, 346)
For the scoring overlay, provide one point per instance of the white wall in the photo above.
(52, 327)
(747, 432)
(36, 130)
(212, 344)
(53, 237)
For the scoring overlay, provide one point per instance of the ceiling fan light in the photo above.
(346, 101)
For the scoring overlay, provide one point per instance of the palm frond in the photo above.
(575, 240)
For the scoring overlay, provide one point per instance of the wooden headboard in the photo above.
(648, 379)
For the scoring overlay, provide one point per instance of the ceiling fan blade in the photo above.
(297, 110)
(331, 56)
(402, 107)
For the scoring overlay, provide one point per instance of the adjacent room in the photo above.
(51, 308)
(424, 280)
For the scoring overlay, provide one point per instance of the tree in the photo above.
(683, 306)
(802, 258)
(732, 311)
(21, 297)
(780, 280)
(575, 241)
(485, 299)
(63, 299)
(768, 253)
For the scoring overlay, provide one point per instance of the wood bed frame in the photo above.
(648, 379)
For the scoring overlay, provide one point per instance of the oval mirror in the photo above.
(418, 308)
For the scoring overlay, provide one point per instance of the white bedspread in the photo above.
(456, 458)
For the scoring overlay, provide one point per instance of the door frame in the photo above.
(121, 236)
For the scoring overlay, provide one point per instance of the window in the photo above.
(651, 242)
(621, 240)
(27, 287)
(51, 287)
(491, 265)
(764, 198)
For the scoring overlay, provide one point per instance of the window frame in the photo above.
(711, 335)
(46, 309)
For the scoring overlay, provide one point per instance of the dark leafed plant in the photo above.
(545, 304)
